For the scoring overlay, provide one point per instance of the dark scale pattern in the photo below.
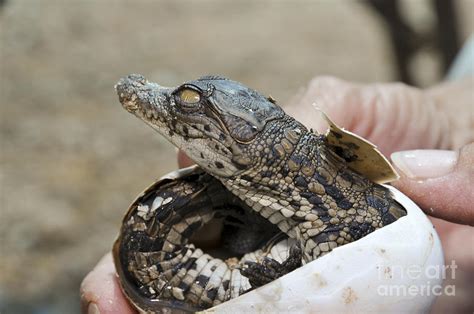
(211, 293)
(320, 179)
(344, 204)
(334, 192)
(301, 182)
(378, 203)
(357, 230)
(315, 200)
(202, 280)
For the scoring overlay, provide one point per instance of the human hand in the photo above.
(100, 290)
(396, 118)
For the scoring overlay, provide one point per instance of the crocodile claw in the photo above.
(269, 269)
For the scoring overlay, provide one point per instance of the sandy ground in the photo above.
(72, 159)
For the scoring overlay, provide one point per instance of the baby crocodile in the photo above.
(252, 158)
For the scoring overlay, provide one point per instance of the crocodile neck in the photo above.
(298, 183)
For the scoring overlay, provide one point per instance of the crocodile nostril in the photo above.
(127, 88)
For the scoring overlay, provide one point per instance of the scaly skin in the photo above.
(265, 158)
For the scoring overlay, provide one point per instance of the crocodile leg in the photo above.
(269, 269)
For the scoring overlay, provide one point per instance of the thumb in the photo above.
(439, 181)
(393, 116)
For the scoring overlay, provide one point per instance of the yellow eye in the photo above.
(189, 96)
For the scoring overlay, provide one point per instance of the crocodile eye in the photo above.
(189, 96)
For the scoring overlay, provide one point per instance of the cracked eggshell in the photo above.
(373, 274)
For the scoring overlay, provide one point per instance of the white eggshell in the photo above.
(393, 269)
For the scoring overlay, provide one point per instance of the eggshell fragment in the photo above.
(361, 155)
(392, 270)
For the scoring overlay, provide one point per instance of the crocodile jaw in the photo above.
(155, 105)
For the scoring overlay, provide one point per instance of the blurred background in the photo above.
(72, 159)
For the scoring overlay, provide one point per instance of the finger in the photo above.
(451, 235)
(100, 290)
(328, 94)
(392, 116)
(455, 98)
(183, 160)
(440, 182)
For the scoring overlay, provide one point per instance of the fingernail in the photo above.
(425, 163)
(93, 309)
